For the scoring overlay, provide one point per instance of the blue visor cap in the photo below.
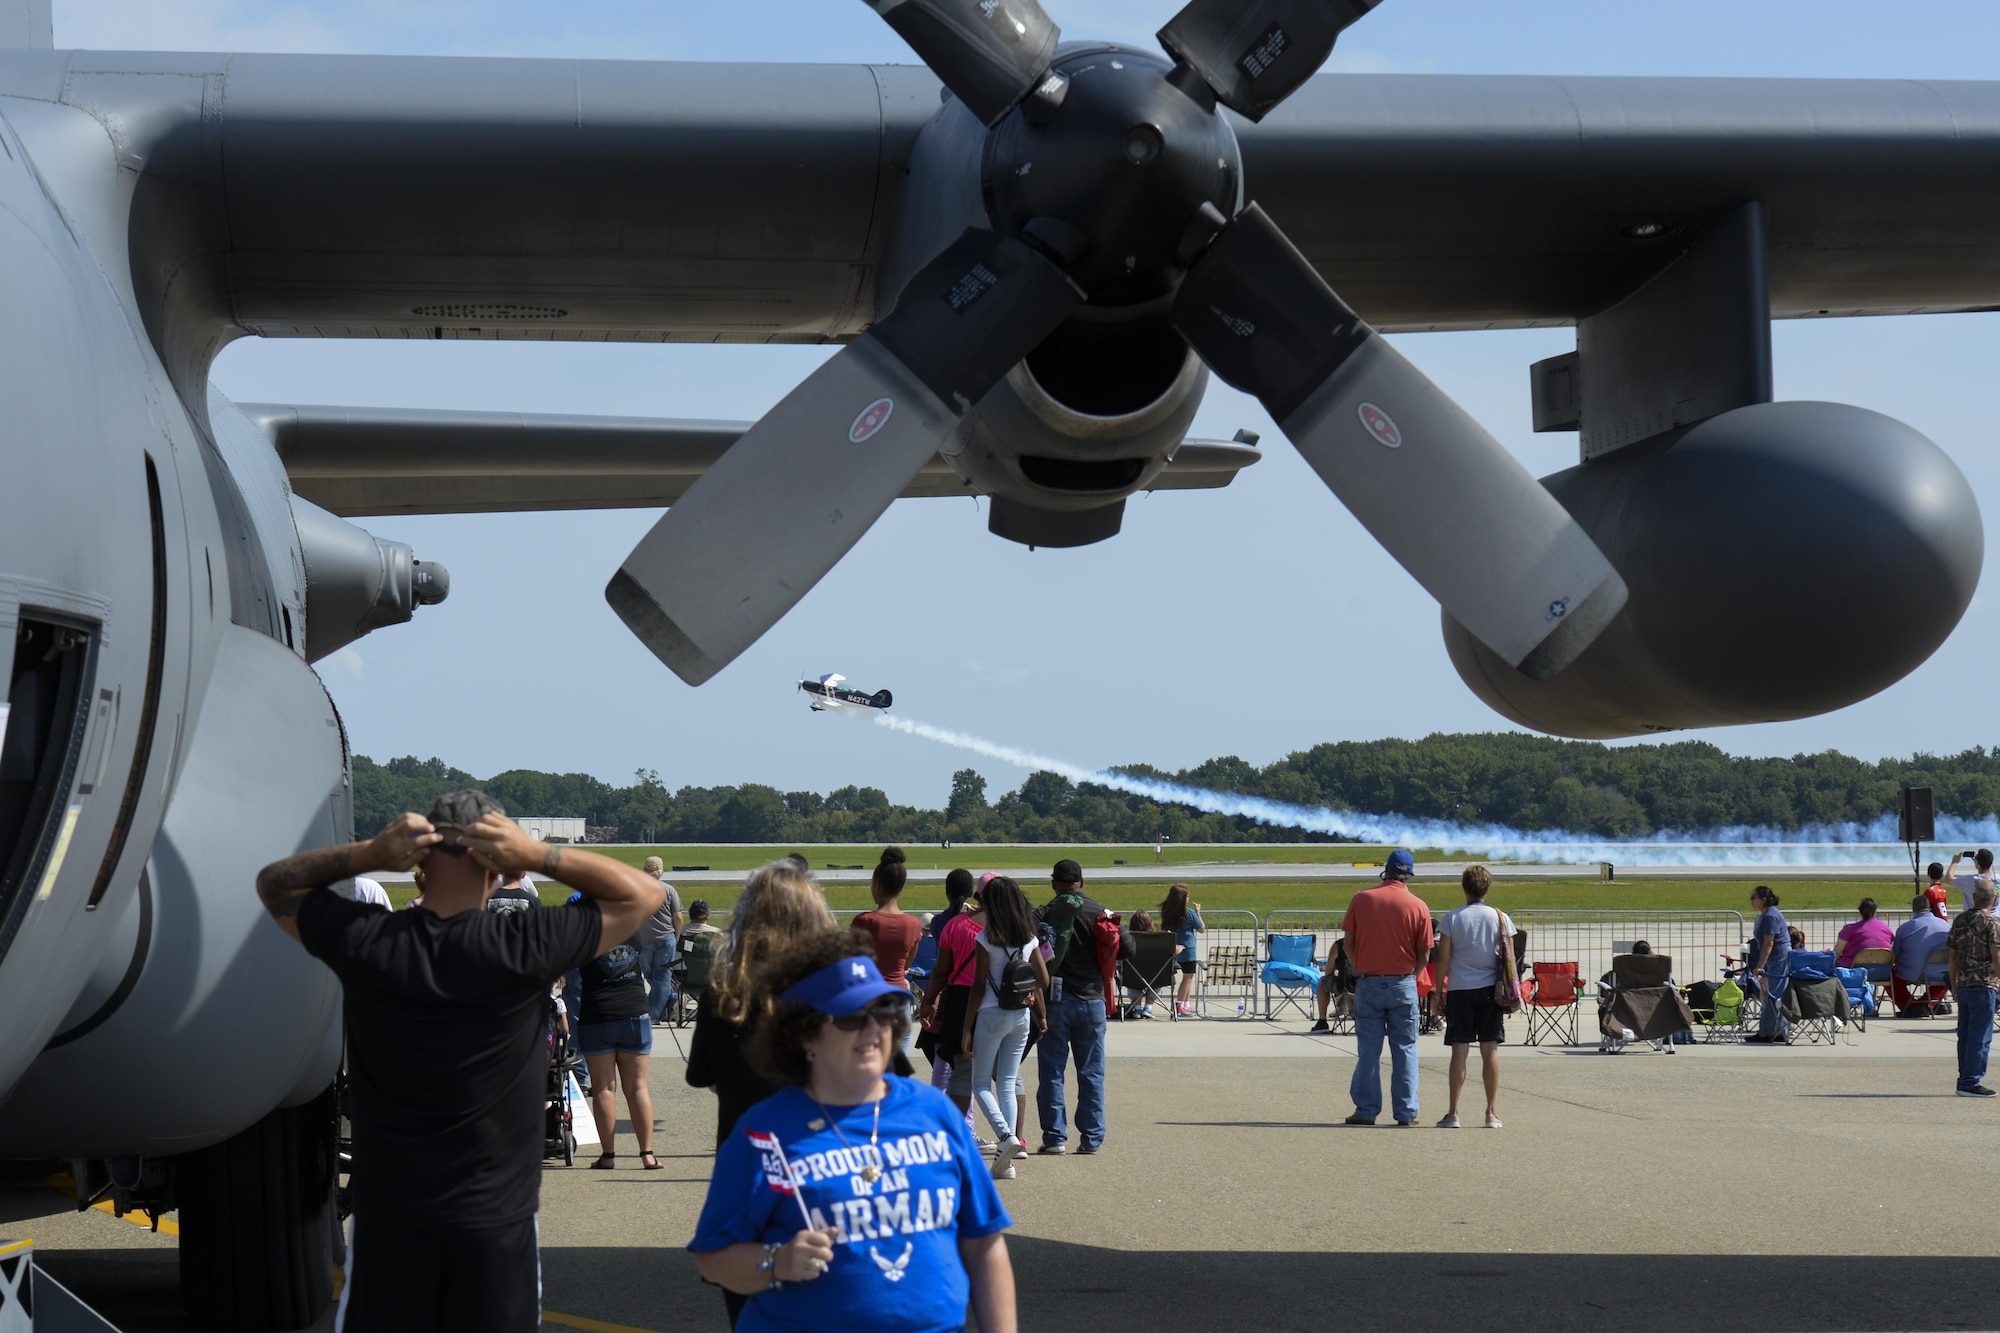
(850, 984)
(1403, 861)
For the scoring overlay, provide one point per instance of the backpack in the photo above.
(1062, 916)
(1104, 935)
(1014, 986)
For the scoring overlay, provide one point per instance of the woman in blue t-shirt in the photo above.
(1183, 918)
(853, 1199)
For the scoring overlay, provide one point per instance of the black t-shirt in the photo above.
(612, 985)
(718, 1057)
(447, 1051)
(515, 899)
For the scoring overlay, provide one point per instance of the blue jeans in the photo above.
(1385, 1007)
(654, 962)
(1975, 1033)
(1771, 1018)
(999, 1040)
(1074, 1025)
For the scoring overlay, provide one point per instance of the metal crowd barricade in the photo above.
(1695, 940)
(1232, 953)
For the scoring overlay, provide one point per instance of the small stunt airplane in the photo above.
(828, 696)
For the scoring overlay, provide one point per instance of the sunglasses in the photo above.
(884, 1011)
(450, 848)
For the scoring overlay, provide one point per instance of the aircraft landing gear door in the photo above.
(48, 665)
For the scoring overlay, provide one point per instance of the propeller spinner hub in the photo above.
(1126, 159)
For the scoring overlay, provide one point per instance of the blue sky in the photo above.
(1251, 621)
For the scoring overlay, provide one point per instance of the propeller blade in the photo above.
(990, 53)
(1256, 55)
(1444, 497)
(792, 496)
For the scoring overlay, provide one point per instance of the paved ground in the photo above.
(1819, 1188)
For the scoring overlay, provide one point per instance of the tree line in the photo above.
(1530, 782)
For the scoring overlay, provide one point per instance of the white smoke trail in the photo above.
(1844, 844)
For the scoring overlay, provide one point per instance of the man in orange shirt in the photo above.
(1388, 935)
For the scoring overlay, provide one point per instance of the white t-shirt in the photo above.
(1475, 931)
(997, 956)
(367, 890)
(1965, 884)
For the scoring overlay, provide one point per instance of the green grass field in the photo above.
(744, 857)
(1262, 896)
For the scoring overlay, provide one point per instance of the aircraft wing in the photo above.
(422, 197)
(367, 461)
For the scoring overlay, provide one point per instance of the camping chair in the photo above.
(1816, 1008)
(691, 973)
(1229, 967)
(1641, 1005)
(1718, 1010)
(1875, 962)
(1551, 1003)
(1150, 971)
(1937, 972)
(1289, 977)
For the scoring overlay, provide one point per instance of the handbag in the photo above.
(1507, 986)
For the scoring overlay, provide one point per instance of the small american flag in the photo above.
(771, 1155)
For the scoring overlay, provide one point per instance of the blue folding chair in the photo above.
(1289, 976)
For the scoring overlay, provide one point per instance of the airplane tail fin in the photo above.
(882, 698)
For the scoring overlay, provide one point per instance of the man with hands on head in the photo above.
(446, 1008)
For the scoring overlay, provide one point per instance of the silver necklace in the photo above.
(869, 1171)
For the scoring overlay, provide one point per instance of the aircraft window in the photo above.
(47, 694)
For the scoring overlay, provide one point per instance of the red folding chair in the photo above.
(1552, 1003)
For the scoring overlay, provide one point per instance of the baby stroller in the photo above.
(559, 1133)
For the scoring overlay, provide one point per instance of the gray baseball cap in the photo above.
(463, 809)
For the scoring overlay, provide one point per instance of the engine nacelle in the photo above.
(357, 582)
(1090, 416)
(1784, 560)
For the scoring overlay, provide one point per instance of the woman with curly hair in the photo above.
(852, 1199)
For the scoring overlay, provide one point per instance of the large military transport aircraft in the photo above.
(1034, 255)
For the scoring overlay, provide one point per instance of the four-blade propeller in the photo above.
(1458, 511)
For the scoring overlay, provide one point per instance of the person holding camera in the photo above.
(447, 1056)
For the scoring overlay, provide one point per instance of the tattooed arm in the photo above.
(625, 895)
(283, 885)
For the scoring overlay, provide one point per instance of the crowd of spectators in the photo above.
(847, 1193)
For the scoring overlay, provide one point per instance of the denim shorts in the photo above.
(634, 1035)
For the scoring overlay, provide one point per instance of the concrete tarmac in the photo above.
(1837, 1188)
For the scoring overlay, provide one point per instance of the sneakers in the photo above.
(1003, 1159)
(1449, 1122)
(1322, 1026)
(1085, 1150)
(1977, 1090)
(1493, 1122)
(1053, 1149)
(1359, 1119)
(1406, 1124)
(982, 1143)
(1183, 1011)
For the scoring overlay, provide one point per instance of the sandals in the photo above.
(650, 1161)
(607, 1162)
